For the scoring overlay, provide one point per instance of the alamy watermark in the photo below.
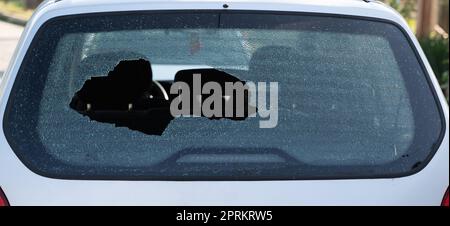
(236, 100)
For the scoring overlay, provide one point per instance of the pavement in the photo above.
(9, 37)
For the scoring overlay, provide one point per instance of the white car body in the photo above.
(24, 187)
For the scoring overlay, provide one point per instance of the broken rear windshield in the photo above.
(343, 98)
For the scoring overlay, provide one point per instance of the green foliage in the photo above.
(437, 50)
(17, 3)
(405, 7)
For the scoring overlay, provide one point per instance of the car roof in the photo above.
(365, 8)
(349, 7)
(256, 3)
(349, 2)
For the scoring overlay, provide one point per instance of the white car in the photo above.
(360, 118)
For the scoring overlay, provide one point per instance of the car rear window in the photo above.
(353, 100)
